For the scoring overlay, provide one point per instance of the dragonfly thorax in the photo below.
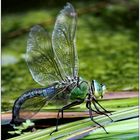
(80, 90)
(69, 81)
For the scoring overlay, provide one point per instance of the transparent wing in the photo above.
(33, 105)
(40, 57)
(63, 40)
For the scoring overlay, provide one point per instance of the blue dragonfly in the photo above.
(53, 63)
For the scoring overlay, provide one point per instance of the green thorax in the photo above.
(80, 91)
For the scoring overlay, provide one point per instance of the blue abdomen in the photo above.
(30, 98)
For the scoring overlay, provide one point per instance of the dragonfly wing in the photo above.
(31, 106)
(28, 104)
(40, 57)
(63, 40)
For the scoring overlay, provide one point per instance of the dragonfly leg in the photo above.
(87, 105)
(56, 123)
(101, 106)
(91, 116)
(100, 112)
(77, 102)
(97, 101)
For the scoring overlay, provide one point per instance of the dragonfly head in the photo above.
(99, 89)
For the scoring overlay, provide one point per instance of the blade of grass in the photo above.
(119, 130)
(78, 126)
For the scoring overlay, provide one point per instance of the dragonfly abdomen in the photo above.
(44, 94)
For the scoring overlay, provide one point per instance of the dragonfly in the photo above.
(53, 63)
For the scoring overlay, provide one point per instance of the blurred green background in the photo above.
(107, 42)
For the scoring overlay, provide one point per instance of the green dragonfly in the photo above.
(53, 63)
